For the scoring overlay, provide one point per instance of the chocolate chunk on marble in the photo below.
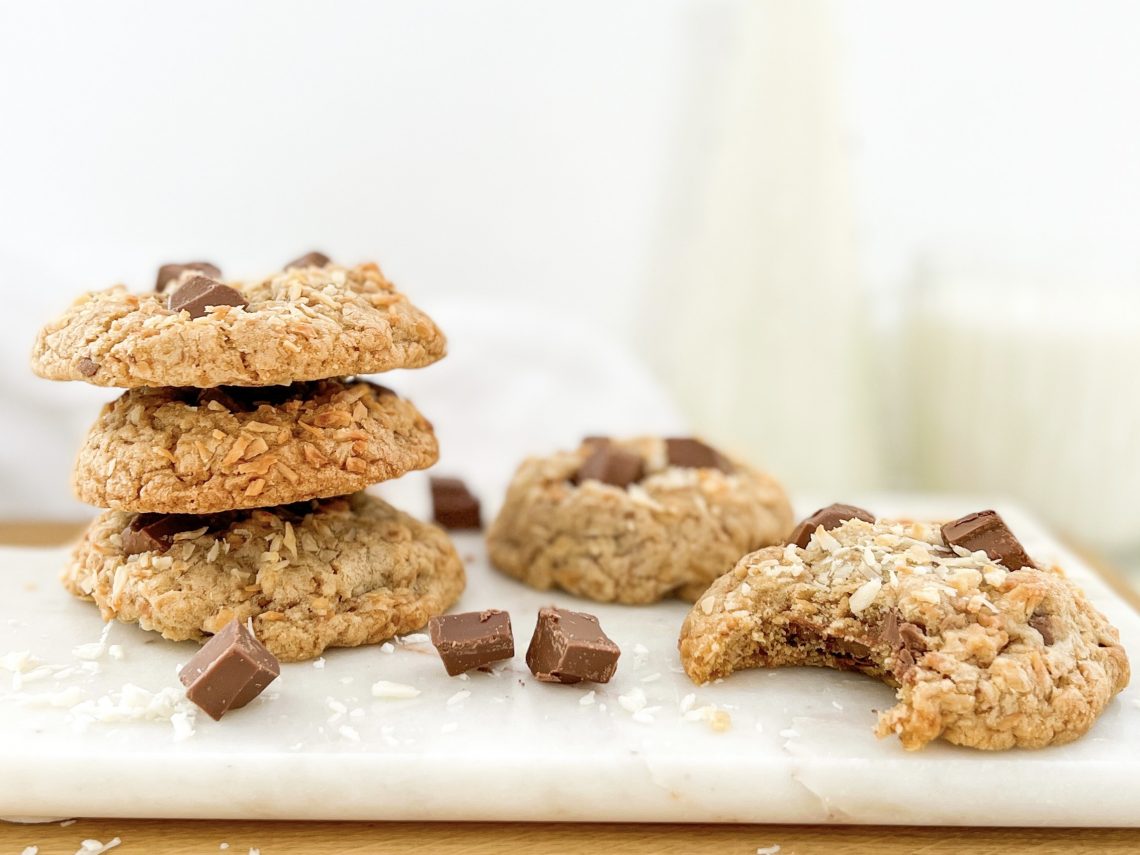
(986, 531)
(453, 505)
(694, 454)
(570, 647)
(830, 517)
(230, 670)
(309, 259)
(611, 465)
(170, 272)
(472, 639)
(200, 293)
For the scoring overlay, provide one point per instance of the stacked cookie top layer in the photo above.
(232, 464)
(304, 323)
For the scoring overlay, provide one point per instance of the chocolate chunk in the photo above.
(472, 639)
(611, 465)
(169, 272)
(694, 454)
(1044, 625)
(155, 532)
(453, 505)
(230, 670)
(830, 517)
(987, 532)
(569, 647)
(87, 367)
(246, 399)
(200, 293)
(310, 259)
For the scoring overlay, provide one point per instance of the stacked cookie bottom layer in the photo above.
(244, 503)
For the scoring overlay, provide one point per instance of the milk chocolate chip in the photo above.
(200, 293)
(309, 259)
(987, 532)
(694, 454)
(230, 670)
(611, 465)
(830, 517)
(169, 272)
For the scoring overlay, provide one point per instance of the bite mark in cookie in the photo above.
(981, 655)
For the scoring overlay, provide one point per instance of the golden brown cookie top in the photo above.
(303, 323)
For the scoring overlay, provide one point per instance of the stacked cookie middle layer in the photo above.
(236, 499)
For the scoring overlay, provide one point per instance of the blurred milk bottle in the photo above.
(1028, 389)
(755, 315)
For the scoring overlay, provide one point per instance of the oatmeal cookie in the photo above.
(192, 451)
(980, 655)
(330, 573)
(305, 323)
(634, 521)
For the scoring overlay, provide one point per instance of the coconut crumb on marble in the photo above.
(640, 655)
(459, 697)
(633, 700)
(587, 699)
(349, 733)
(319, 663)
(393, 691)
(768, 850)
(414, 638)
(387, 647)
(651, 678)
(837, 705)
(30, 850)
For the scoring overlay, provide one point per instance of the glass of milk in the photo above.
(1029, 390)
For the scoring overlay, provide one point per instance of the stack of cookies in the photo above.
(234, 464)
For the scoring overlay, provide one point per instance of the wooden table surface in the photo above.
(496, 838)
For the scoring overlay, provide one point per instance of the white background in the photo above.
(549, 155)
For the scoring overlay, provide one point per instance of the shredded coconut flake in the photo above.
(768, 850)
(633, 700)
(865, 595)
(387, 647)
(349, 733)
(30, 850)
(393, 691)
(459, 697)
(319, 663)
(415, 638)
(651, 678)
(587, 699)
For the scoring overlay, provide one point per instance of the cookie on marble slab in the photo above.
(634, 521)
(305, 323)
(336, 572)
(982, 653)
(199, 451)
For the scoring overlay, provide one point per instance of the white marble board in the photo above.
(799, 748)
